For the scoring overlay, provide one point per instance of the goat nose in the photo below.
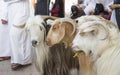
(34, 43)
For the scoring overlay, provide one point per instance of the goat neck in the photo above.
(86, 65)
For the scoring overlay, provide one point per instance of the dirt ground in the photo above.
(5, 69)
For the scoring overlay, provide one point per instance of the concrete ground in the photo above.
(5, 69)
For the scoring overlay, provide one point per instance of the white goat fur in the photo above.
(42, 50)
(100, 39)
(86, 18)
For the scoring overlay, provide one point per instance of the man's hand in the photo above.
(4, 21)
(113, 6)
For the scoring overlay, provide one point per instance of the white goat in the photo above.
(37, 31)
(100, 40)
(50, 61)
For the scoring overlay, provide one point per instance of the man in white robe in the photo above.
(4, 34)
(18, 13)
(90, 5)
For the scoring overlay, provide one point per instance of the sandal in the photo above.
(15, 66)
(4, 58)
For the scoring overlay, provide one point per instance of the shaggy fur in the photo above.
(56, 60)
(99, 40)
(67, 38)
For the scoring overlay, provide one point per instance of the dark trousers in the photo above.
(42, 7)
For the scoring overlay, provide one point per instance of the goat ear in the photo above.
(96, 30)
(69, 28)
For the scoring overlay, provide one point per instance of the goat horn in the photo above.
(49, 17)
(73, 22)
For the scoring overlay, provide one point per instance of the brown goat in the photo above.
(63, 30)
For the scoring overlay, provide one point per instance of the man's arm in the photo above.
(113, 6)
(34, 3)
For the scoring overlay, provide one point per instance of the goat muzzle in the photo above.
(34, 43)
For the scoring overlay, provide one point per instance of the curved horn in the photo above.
(49, 17)
(97, 28)
(71, 21)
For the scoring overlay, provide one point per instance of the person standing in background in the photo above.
(89, 5)
(42, 7)
(17, 15)
(4, 34)
(115, 17)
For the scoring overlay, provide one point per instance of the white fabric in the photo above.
(86, 2)
(52, 2)
(21, 46)
(113, 17)
(68, 4)
(105, 3)
(90, 5)
(4, 33)
(31, 6)
(18, 13)
(11, 1)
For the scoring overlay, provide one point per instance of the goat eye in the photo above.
(82, 33)
(40, 28)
